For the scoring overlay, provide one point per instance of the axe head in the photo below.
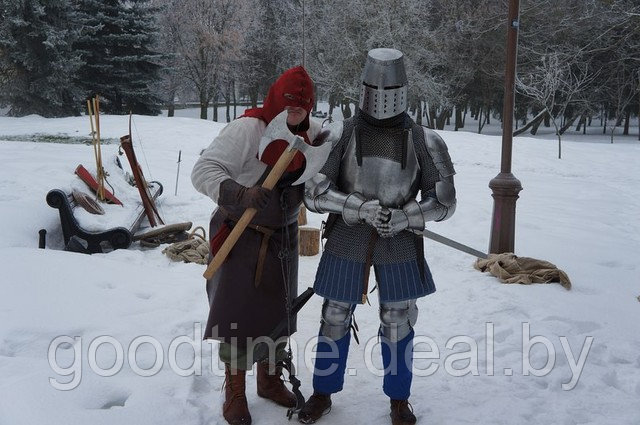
(315, 156)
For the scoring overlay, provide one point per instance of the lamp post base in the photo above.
(505, 188)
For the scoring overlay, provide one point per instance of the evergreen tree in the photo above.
(116, 46)
(37, 63)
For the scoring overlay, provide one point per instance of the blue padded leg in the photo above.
(330, 365)
(397, 358)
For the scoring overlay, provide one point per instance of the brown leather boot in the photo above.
(314, 408)
(272, 387)
(402, 413)
(234, 408)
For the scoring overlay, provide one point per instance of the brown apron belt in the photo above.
(367, 267)
(266, 235)
(264, 245)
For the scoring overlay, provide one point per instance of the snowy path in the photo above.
(580, 213)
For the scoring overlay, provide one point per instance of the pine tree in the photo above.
(116, 47)
(37, 63)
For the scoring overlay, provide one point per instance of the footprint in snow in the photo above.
(118, 401)
(618, 360)
(201, 385)
(26, 343)
(143, 295)
(577, 327)
(611, 379)
(501, 336)
(105, 285)
(542, 384)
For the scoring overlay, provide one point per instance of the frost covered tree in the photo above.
(620, 62)
(554, 84)
(37, 62)
(625, 87)
(208, 40)
(258, 65)
(464, 56)
(340, 37)
(116, 48)
(442, 43)
(272, 44)
(336, 52)
(594, 39)
(172, 81)
(454, 53)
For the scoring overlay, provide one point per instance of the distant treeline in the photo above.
(577, 59)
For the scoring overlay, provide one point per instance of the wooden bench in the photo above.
(78, 239)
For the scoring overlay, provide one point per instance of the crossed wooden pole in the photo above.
(93, 110)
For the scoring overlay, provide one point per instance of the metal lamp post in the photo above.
(505, 186)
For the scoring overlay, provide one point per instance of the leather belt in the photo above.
(264, 245)
(367, 267)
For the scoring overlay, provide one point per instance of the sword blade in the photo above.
(178, 172)
(453, 244)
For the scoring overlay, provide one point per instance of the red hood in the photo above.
(298, 87)
(294, 81)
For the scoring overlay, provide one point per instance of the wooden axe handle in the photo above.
(269, 183)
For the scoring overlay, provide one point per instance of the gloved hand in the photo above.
(255, 197)
(396, 222)
(232, 193)
(371, 212)
(357, 209)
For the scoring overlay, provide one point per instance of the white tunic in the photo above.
(234, 154)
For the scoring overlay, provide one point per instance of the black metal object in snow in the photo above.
(42, 238)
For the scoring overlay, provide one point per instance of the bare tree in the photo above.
(273, 43)
(624, 91)
(553, 84)
(172, 80)
(208, 39)
(454, 53)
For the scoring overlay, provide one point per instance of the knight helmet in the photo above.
(383, 93)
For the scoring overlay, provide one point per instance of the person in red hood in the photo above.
(249, 293)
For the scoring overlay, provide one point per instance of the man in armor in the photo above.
(380, 160)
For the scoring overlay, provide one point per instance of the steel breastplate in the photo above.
(380, 178)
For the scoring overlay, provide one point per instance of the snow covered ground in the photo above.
(580, 213)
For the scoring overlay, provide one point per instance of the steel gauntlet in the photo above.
(321, 196)
(439, 205)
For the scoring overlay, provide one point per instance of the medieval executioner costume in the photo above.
(380, 161)
(249, 295)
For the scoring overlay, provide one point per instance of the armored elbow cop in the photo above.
(321, 196)
(437, 206)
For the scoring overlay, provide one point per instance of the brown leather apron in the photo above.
(247, 296)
